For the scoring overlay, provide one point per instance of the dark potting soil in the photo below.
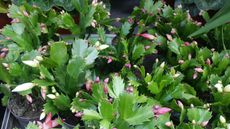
(22, 108)
(71, 119)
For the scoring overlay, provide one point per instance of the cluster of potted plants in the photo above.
(152, 74)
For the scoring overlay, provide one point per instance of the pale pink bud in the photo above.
(203, 124)
(169, 37)
(79, 114)
(199, 70)
(88, 85)
(97, 80)
(109, 60)
(25, 13)
(29, 98)
(194, 75)
(147, 47)
(180, 104)
(81, 100)
(3, 55)
(186, 43)
(173, 31)
(15, 20)
(4, 50)
(129, 89)
(128, 65)
(130, 20)
(106, 91)
(208, 61)
(168, 124)
(43, 92)
(181, 61)
(106, 80)
(147, 36)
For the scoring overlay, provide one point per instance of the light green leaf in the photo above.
(125, 28)
(174, 47)
(79, 48)
(62, 102)
(43, 82)
(106, 110)
(58, 53)
(126, 103)
(141, 115)
(104, 124)
(18, 28)
(75, 67)
(91, 115)
(199, 115)
(44, 71)
(118, 85)
(138, 51)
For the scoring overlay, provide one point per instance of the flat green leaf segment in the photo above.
(199, 115)
(82, 50)
(58, 53)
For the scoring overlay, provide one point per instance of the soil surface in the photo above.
(22, 108)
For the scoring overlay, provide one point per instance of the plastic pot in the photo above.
(23, 121)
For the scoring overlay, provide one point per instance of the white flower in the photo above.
(222, 119)
(219, 87)
(51, 96)
(227, 88)
(32, 63)
(23, 87)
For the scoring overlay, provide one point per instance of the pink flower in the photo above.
(199, 70)
(49, 123)
(25, 13)
(157, 110)
(147, 36)
(109, 60)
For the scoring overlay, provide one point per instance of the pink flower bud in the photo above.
(29, 98)
(79, 114)
(181, 61)
(2, 55)
(130, 20)
(106, 91)
(128, 65)
(25, 13)
(147, 36)
(208, 61)
(199, 70)
(173, 31)
(180, 104)
(157, 110)
(43, 92)
(129, 89)
(147, 47)
(169, 37)
(106, 80)
(15, 20)
(88, 85)
(186, 43)
(109, 60)
(4, 50)
(97, 79)
(194, 75)
(168, 124)
(203, 124)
